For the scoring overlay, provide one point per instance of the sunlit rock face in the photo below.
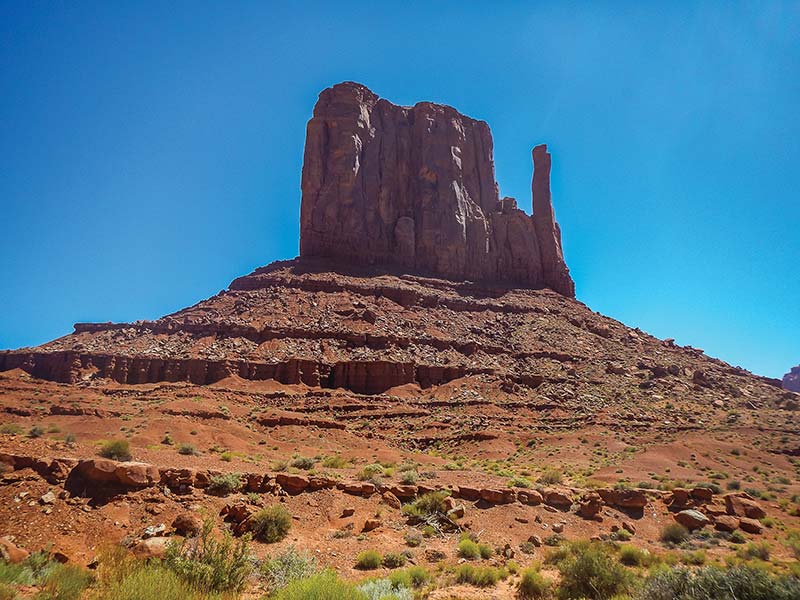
(413, 188)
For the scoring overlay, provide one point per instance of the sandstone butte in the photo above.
(415, 188)
(791, 381)
(427, 324)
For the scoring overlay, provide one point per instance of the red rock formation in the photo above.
(414, 188)
(791, 381)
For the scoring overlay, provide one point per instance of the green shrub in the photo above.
(384, 589)
(65, 582)
(793, 542)
(7, 592)
(427, 505)
(589, 572)
(271, 524)
(147, 581)
(633, 556)
(754, 550)
(370, 472)
(412, 577)
(714, 583)
(116, 450)
(187, 450)
(368, 560)
(695, 558)
(210, 564)
(485, 551)
(409, 477)
(334, 462)
(519, 482)
(394, 560)
(674, 533)
(36, 431)
(10, 428)
(322, 586)
(302, 462)
(550, 477)
(413, 540)
(227, 483)
(468, 549)
(533, 585)
(70, 438)
(288, 566)
(737, 537)
(479, 576)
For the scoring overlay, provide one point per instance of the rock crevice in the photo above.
(414, 187)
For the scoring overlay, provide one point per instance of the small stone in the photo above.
(154, 530)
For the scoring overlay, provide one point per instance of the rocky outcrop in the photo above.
(791, 381)
(413, 188)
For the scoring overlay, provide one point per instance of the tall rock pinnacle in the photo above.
(414, 188)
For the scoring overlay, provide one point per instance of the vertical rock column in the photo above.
(548, 233)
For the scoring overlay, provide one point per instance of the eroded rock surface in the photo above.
(414, 188)
(791, 381)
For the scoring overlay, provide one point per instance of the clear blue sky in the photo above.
(151, 151)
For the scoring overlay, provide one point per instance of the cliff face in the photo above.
(413, 187)
(791, 381)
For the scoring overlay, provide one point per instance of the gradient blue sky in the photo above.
(151, 151)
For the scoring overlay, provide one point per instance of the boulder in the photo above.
(556, 498)
(726, 523)
(321, 483)
(137, 474)
(371, 524)
(358, 488)
(495, 496)
(750, 525)
(692, 519)
(623, 498)
(679, 497)
(468, 493)
(238, 512)
(97, 470)
(742, 505)
(294, 484)
(401, 491)
(187, 524)
(702, 494)
(253, 482)
(590, 505)
(154, 547)
(178, 479)
(389, 499)
(530, 497)
(12, 553)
